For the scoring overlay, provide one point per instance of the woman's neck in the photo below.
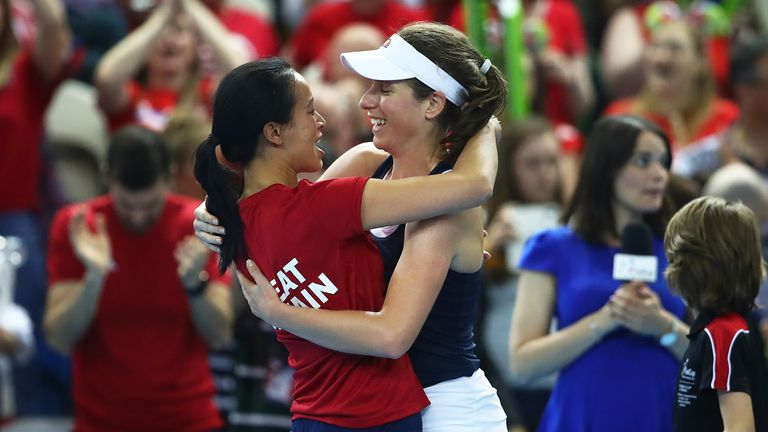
(413, 161)
(622, 217)
(262, 173)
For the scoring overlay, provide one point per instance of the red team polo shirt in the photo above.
(23, 101)
(721, 115)
(142, 365)
(309, 241)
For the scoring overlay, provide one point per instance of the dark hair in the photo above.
(137, 158)
(248, 98)
(452, 51)
(514, 135)
(745, 58)
(610, 146)
(714, 254)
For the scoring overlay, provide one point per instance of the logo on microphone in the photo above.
(642, 268)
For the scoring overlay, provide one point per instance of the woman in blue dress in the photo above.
(618, 345)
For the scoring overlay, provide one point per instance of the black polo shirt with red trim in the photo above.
(723, 355)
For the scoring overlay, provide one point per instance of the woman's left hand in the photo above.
(261, 297)
(638, 308)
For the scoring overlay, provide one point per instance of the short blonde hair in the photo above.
(713, 248)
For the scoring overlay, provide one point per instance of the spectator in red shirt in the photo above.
(679, 91)
(136, 299)
(29, 75)
(324, 20)
(166, 46)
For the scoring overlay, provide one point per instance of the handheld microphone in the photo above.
(636, 262)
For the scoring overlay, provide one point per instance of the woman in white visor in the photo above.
(431, 92)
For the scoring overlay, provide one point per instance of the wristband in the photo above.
(200, 288)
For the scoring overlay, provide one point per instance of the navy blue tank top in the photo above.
(445, 347)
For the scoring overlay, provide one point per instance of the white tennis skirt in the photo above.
(466, 404)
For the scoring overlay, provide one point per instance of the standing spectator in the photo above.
(555, 40)
(130, 297)
(527, 198)
(746, 140)
(311, 39)
(166, 45)
(627, 35)
(679, 92)
(608, 331)
(29, 75)
(715, 263)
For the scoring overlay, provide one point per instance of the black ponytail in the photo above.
(248, 98)
(222, 199)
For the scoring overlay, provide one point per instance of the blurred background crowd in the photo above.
(73, 73)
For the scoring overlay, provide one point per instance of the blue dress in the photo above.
(624, 383)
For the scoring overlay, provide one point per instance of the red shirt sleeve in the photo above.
(337, 205)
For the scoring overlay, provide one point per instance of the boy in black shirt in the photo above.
(715, 263)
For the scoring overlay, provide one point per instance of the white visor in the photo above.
(397, 60)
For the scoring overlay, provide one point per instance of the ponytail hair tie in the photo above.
(485, 67)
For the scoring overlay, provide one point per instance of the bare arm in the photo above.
(427, 255)
(213, 315)
(621, 54)
(212, 309)
(580, 89)
(736, 411)
(213, 31)
(70, 309)
(71, 305)
(533, 351)
(125, 59)
(52, 39)
(359, 161)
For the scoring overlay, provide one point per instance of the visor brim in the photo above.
(374, 66)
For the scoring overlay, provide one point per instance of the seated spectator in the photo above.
(136, 299)
(311, 39)
(747, 139)
(679, 92)
(166, 47)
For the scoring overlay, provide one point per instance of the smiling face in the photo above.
(640, 184)
(395, 114)
(672, 60)
(304, 130)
